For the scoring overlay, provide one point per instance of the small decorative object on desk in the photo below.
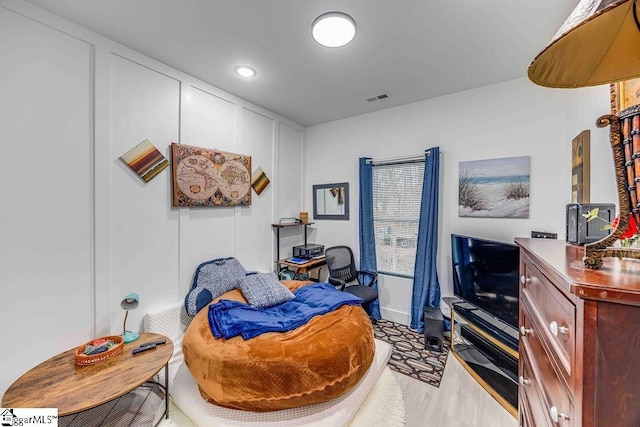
(99, 350)
(304, 217)
(629, 238)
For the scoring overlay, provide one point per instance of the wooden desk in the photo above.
(303, 268)
(60, 383)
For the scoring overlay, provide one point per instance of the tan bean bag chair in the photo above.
(314, 363)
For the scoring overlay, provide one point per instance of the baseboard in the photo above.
(395, 316)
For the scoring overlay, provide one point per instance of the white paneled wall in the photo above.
(46, 219)
(255, 224)
(210, 123)
(290, 189)
(78, 229)
(145, 104)
(508, 119)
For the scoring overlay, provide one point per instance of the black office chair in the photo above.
(342, 271)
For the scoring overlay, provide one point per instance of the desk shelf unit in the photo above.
(278, 227)
(282, 264)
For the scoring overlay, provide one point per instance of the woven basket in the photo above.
(84, 360)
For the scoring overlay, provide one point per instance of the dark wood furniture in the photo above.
(59, 383)
(580, 337)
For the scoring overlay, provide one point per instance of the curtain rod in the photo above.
(414, 158)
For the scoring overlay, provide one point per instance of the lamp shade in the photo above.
(130, 302)
(599, 43)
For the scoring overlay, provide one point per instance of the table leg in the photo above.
(166, 391)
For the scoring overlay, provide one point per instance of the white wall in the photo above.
(78, 229)
(514, 118)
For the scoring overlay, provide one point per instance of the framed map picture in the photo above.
(204, 177)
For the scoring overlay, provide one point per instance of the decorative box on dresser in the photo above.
(579, 348)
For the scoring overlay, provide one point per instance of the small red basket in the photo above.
(92, 359)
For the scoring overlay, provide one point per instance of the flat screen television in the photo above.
(485, 275)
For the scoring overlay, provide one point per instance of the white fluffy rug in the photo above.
(383, 407)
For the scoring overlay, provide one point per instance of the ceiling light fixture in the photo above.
(333, 29)
(244, 71)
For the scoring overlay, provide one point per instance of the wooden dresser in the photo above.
(579, 349)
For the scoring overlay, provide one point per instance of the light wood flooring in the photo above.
(459, 401)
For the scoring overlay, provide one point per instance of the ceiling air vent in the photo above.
(377, 98)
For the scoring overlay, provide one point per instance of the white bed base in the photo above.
(172, 321)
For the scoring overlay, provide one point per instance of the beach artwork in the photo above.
(495, 188)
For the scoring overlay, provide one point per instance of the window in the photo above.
(397, 194)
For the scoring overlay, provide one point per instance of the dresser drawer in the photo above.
(553, 316)
(533, 412)
(552, 403)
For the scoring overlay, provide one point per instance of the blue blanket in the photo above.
(230, 318)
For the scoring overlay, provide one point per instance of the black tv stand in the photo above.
(488, 349)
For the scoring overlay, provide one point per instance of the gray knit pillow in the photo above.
(264, 290)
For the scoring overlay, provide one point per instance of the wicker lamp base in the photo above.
(625, 145)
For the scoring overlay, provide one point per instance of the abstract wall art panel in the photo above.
(145, 160)
(260, 181)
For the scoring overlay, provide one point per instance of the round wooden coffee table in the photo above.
(60, 383)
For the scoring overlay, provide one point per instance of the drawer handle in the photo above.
(525, 280)
(524, 381)
(554, 328)
(557, 416)
(525, 331)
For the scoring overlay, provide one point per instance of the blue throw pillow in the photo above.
(212, 279)
(264, 290)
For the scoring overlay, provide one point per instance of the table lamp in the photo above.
(130, 302)
(599, 43)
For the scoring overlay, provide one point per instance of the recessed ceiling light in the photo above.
(333, 29)
(245, 71)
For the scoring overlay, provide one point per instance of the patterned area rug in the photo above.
(409, 356)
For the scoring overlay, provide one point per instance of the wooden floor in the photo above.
(459, 401)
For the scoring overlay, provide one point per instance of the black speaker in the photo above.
(581, 231)
(433, 328)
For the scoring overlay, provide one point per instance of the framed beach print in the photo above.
(494, 188)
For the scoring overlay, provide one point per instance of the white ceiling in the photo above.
(409, 49)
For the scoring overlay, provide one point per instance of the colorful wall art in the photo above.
(145, 160)
(260, 181)
(205, 177)
(495, 188)
(581, 168)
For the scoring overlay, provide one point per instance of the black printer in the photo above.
(308, 251)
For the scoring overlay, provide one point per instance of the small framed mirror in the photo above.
(331, 201)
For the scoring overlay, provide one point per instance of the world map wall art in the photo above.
(205, 177)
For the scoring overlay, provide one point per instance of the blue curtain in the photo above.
(367, 236)
(426, 288)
